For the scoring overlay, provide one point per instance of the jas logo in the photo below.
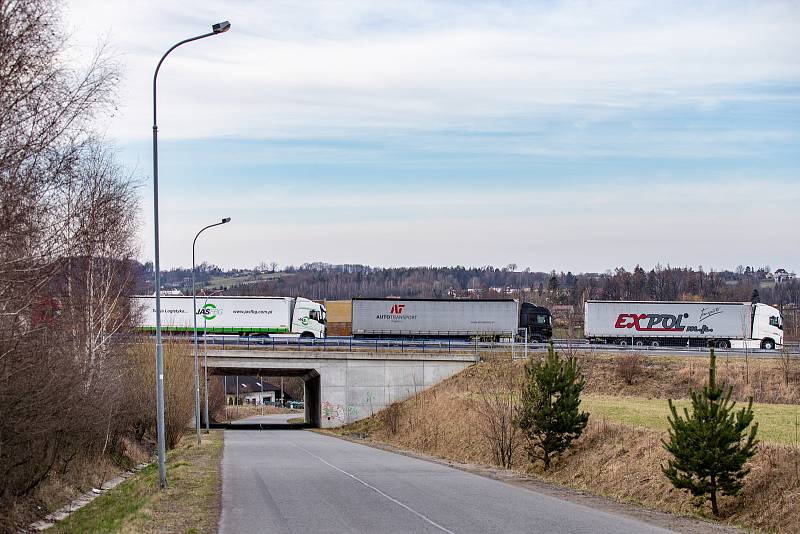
(209, 312)
(397, 309)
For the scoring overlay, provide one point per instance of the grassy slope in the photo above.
(621, 460)
(190, 503)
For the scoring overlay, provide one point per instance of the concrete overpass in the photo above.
(344, 386)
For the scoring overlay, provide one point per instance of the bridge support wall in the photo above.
(343, 387)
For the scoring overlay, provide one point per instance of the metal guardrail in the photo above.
(401, 345)
(342, 343)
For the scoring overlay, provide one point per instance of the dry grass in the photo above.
(618, 460)
(766, 380)
(191, 502)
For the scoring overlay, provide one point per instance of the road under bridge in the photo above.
(344, 386)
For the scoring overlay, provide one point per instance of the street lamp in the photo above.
(205, 358)
(194, 317)
(220, 27)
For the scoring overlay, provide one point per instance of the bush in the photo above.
(178, 390)
(497, 403)
(390, 417)
(630, 367)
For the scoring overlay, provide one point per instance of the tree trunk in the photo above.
(714, 508)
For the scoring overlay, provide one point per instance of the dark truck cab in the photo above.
(537, 320)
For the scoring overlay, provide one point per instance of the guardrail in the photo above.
(518, 350)
(349, 344)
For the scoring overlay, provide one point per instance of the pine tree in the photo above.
(710, 446)
(549, 416)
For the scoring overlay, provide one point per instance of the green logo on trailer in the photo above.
(209, 311)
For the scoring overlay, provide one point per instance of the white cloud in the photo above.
(400, 73)
(330, 68)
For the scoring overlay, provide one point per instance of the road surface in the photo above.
(287, 481)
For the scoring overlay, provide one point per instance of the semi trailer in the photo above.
(244, 316)
(486, 319)
(694, 324)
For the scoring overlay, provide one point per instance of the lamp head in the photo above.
(221, 27)
(226, 220)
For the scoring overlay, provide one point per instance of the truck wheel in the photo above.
(655, 344)
(623, 342)
(768, 344)
(723, 344)
(639, 343)
(306, 335)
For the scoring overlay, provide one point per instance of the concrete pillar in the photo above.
(311, 386)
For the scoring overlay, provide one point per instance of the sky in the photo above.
(578, 136)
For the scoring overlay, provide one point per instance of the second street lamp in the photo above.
(194, 317)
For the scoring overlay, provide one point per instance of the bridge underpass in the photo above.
(343, 387)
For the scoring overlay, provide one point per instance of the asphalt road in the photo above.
(298, 481)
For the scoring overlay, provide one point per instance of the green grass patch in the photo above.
(294, 420)
(191, 502)
(776, 422)
(230, 281)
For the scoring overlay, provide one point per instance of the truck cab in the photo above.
(767, 327)
(538, 322)
(309, 318)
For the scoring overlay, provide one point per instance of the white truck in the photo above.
(694, 324)
(244, 316)
(490, 319)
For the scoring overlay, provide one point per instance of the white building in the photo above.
(780, 276)
(251, 390)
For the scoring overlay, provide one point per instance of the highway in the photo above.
(293, 481)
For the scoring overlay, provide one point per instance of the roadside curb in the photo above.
(677, 523)
(64, 512)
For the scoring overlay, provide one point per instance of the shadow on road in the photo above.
(261, 426)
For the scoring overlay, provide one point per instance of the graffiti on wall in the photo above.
(332, 412)
(347, 412)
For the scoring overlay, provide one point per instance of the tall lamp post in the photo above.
(194, 317)
(205, 359)
(220, 27)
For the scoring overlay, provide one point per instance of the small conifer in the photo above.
(549, 416)
(711, 445)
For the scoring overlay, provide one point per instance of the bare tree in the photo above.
(66, 234)
(497, 403)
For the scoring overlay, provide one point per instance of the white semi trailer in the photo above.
(697, 324)
(492, 319)
(244, 316)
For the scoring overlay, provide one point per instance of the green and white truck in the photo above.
(243, 316)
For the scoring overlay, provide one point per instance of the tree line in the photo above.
(332, 282)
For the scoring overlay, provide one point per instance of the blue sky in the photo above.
(556, 135)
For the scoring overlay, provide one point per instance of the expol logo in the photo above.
(209, 312)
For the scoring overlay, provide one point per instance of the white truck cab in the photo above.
(767, 327)
(309, 318)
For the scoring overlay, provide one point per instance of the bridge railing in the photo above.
(340, 344)
(516, 349)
